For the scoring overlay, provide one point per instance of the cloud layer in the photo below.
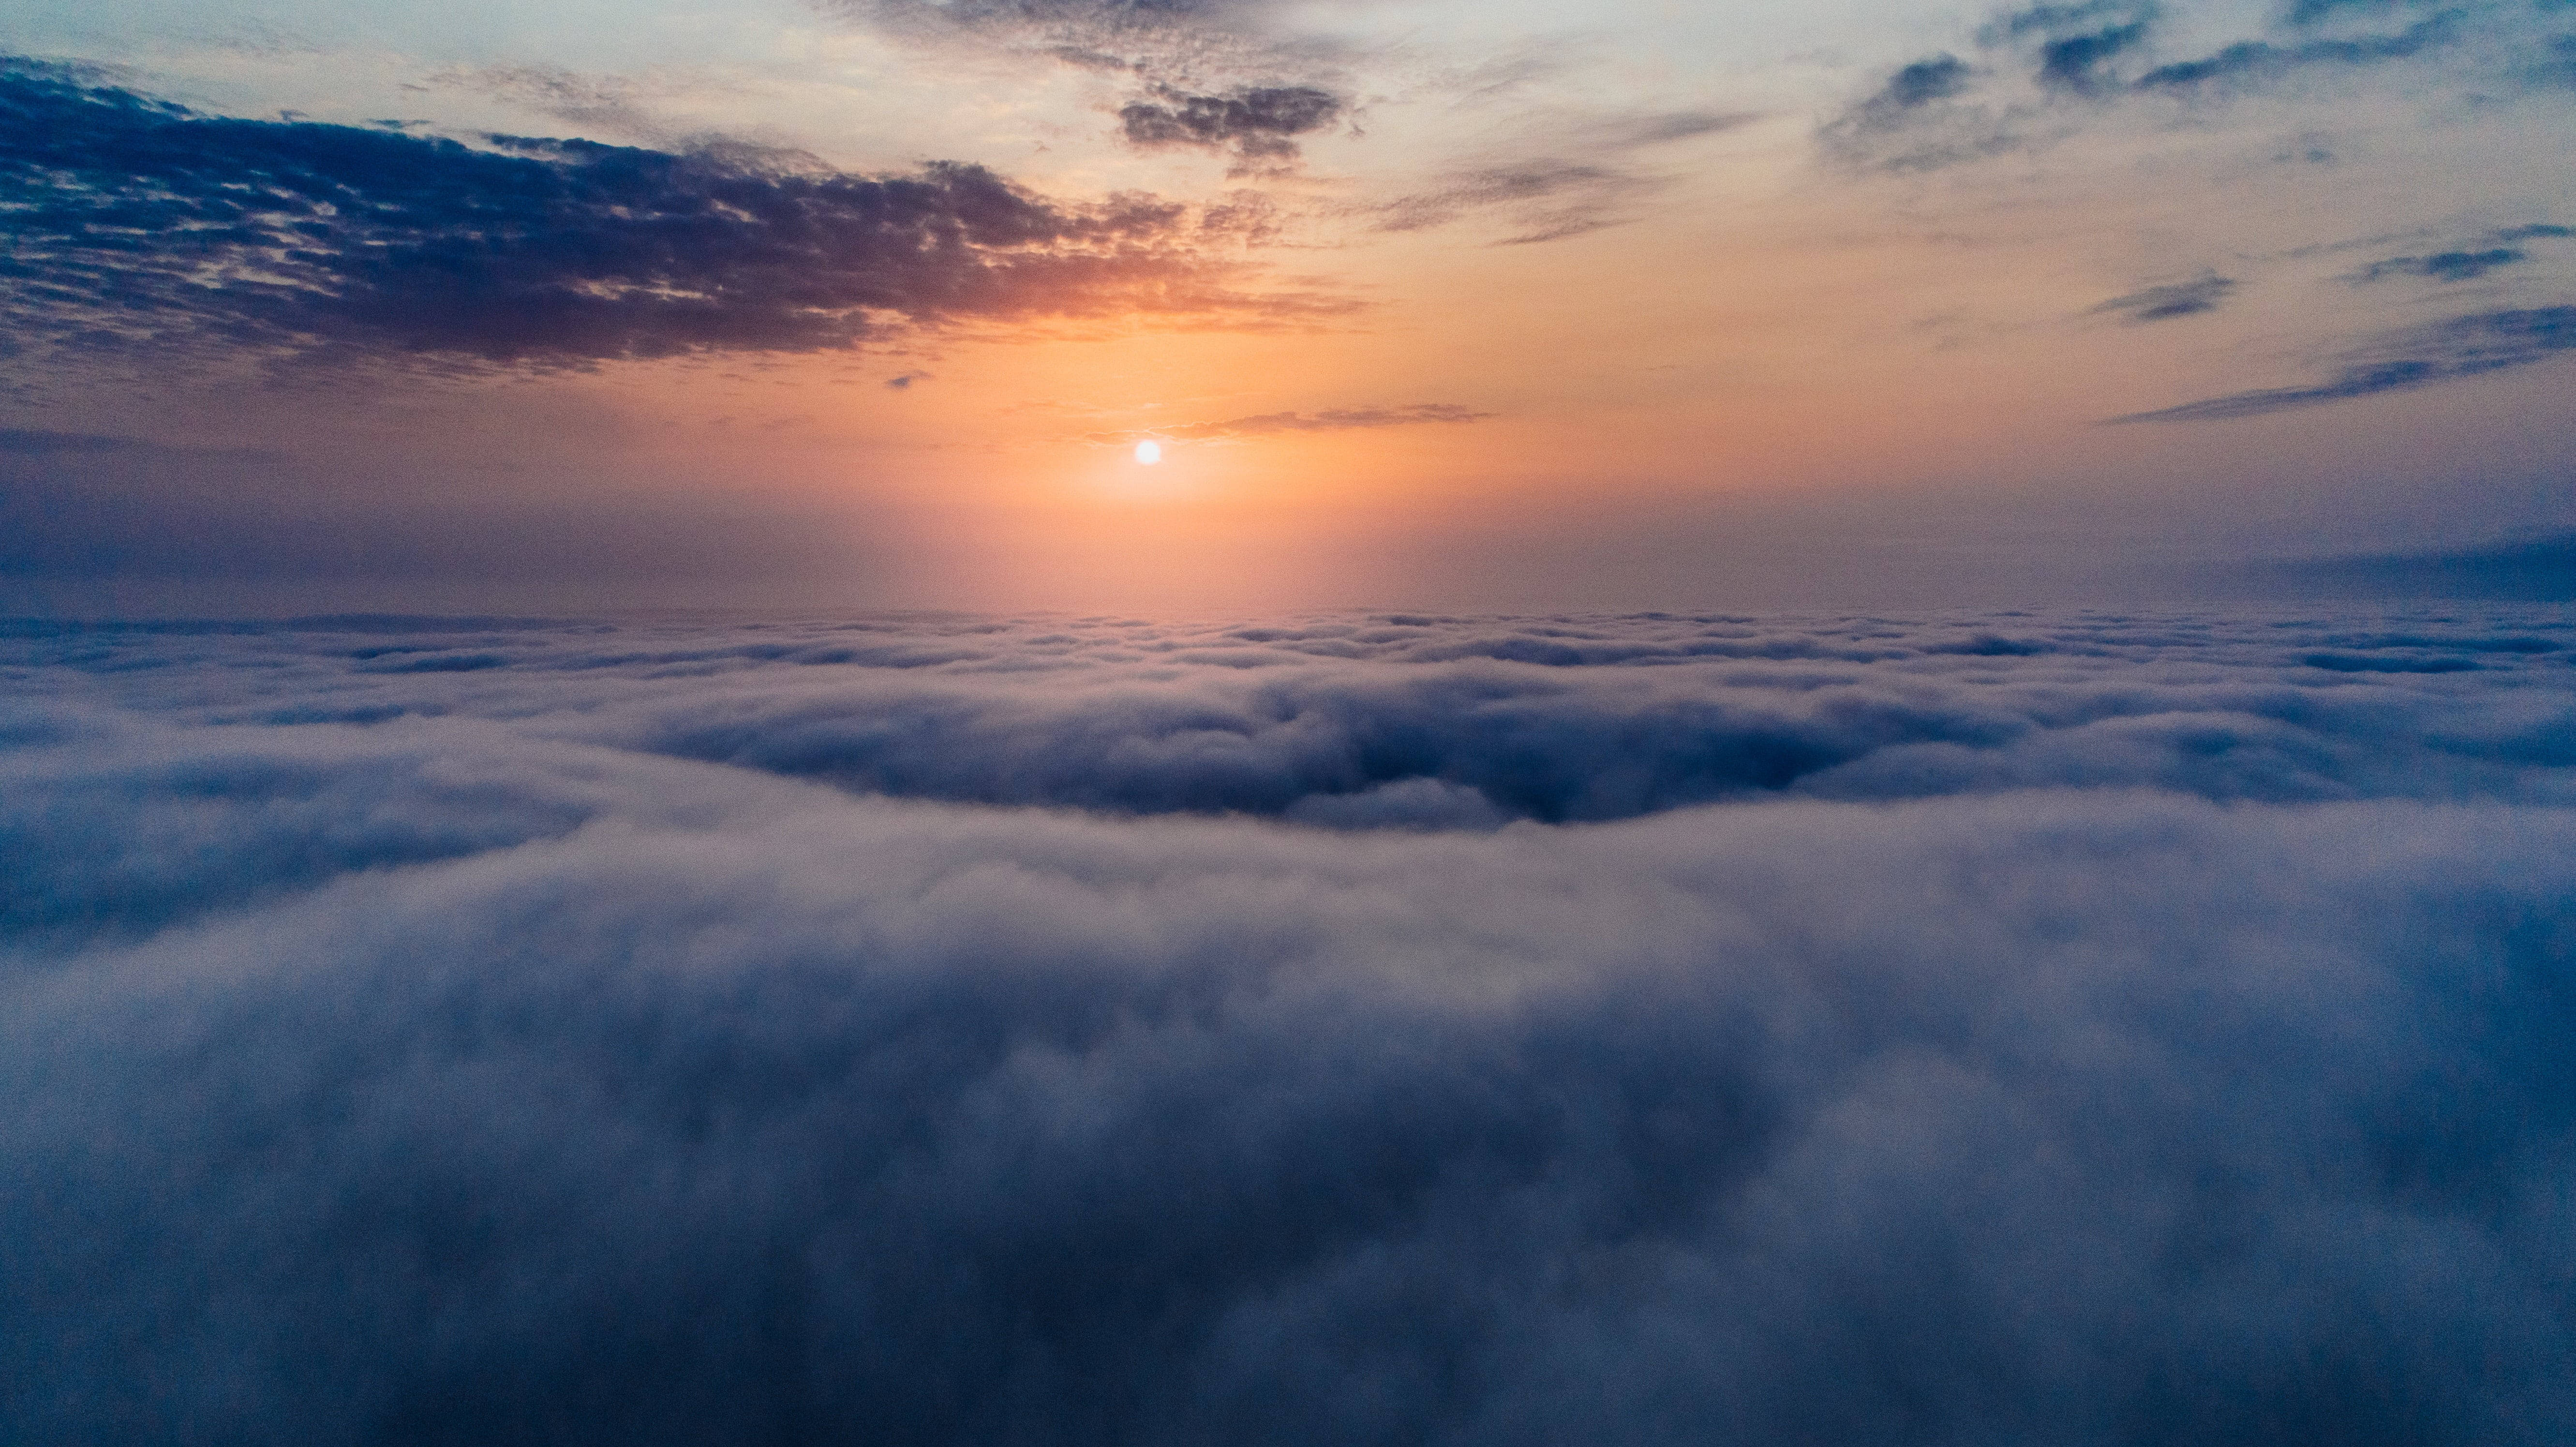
(2081, 1028)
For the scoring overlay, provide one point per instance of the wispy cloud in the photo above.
(2079, 42)
(1340, 419)
(2161, 303)
(2465, 263)
(2464, 346)
(2249, 61)
(2443, 265)
(1578, 173)
(1637, 132)
(2052, 70)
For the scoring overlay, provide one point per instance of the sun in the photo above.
(1149, 452)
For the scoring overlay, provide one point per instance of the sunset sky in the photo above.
(574, 304)
(1139, 723)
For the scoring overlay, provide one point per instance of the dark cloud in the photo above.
(2257, 59)
(2464, 263)
(2079, 62)
(1257, 125)
(2159, 303)
(2461, 347)
(2444, 265)
(141, 224)
(1921, 83)
(1336, 419)
(393, 1055)
(1928, 114)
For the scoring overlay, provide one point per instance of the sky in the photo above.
(562, 306)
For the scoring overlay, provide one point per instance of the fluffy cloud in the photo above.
(2073, 1028)
(141, 223)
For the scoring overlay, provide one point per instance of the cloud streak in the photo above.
(1334, 419)
(2258, 60)
(2449, 351)
(1548, 199)
(1579, 179)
